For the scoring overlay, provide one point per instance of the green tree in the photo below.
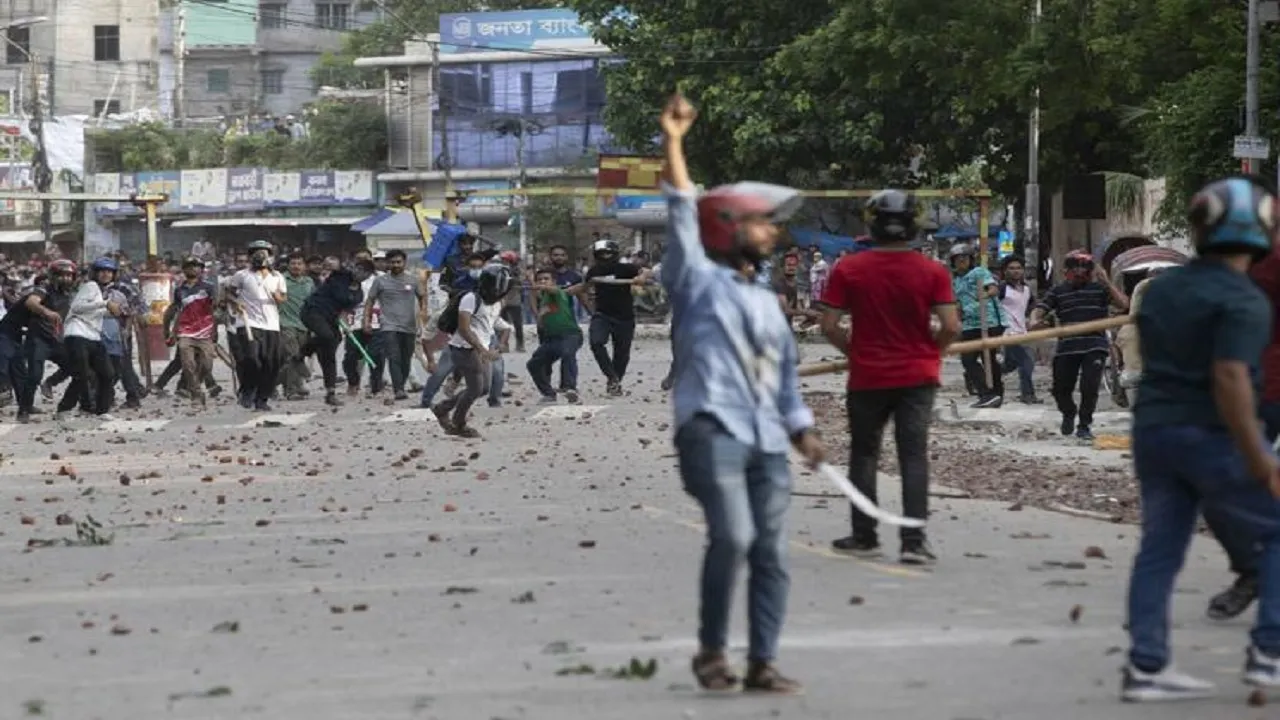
(402, 20)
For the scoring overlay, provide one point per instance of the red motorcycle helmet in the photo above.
(722, 210)
(510, 257)
(1078, 266)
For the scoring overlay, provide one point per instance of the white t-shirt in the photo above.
(254, 293)
(485, 321)
(88, 308)
(1015, 303)
(357, 317)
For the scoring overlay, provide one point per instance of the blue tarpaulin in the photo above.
(962, 232)
(444, 239)
(829, 245)
(374, 219)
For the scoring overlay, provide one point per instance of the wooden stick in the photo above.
(1054, 333)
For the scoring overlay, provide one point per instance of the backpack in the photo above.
(447, 323)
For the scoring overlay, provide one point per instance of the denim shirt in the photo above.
(734, 348)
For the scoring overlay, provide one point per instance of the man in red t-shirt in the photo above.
(891, 294)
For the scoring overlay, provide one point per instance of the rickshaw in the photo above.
(1127, 269)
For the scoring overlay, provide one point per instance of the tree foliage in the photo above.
(829, 94)
(343, 136)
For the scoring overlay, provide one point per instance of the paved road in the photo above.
(364, 580)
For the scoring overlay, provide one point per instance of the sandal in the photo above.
(712, 670)
(765, 678)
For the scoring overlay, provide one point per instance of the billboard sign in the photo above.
(216, 190)
(521, 30)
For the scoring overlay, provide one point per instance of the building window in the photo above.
(110, 107)
(218, 80)
(273, 82)
(467, 89)
(333, 16)
(106, 43)
(271, 16)
(18, 49)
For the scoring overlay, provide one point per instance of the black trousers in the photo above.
(1085, 368)
(514, 314)
(259, 364)
(352, 360)
(911, 410)
(324, 342)
(974, 364)
(600, 332)
(93, 379)
(398, 348)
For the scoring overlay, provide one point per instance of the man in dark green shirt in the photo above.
(293, 334)
(559, 339)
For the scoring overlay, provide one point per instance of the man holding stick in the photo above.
(895, 361)
(1086, 294)
(738, 409)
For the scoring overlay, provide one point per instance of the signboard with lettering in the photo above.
(238, 189)
(513, 31)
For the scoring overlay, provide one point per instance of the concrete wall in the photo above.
(1093, 235)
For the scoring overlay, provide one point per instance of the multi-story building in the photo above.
(83, 56)
(522, 94)
(246, 56)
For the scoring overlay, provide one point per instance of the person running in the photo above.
(976, 291)
(40, 311)
(190, 325)
(92, 385)
(479, 317)
(891, 294)
(1197, 440)
(559, 339)
(1017, 301)
(613, 319)
(257, 293)
(402, 300)
(737, 402)
(444, 376)
(364, 331)
(293, 334)
(1085, 295)
(339, 294)
(115, 337)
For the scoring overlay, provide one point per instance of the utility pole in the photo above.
(521, 179)
(40, 161)
(180, 67)
(1252, 164)
(1031, 219)
(450, 200)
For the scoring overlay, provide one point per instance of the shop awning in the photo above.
(17, 237)
(374, 219)
(265, 222)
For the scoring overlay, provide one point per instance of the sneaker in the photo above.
(1068, 424)
(442, 417)
(859, 547)
(548, 400)
(614, 388)
(402, 395)
(23, 418)
(572, 396)
(466, 431)
(135, 404)
(916, 552)
(1030, 400)
(1167, 685)
(262, 406)
(495, 403)
(331, 399)
(1261, 669)
(1234, 600)
(1084, 433)
(994, 401)
(667, 383)
(215, 391)
(46, 390)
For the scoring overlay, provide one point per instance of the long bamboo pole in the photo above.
(992, 343)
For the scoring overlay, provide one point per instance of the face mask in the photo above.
(474, 273)
(260, 260)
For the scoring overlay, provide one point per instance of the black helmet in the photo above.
(259, 245)
(494, 282)
(892, 216)
(605, 249)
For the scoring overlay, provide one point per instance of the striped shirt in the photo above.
(1072, 304)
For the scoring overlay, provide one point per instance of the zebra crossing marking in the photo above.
(277, 420)
(131, 426)
(408, 415)
(567, 412)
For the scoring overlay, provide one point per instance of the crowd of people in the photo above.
(269, 318)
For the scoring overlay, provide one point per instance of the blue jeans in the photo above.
(744, 495)
(550, 350)
(1179, 468)
(444, 368)
(1020, 358)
